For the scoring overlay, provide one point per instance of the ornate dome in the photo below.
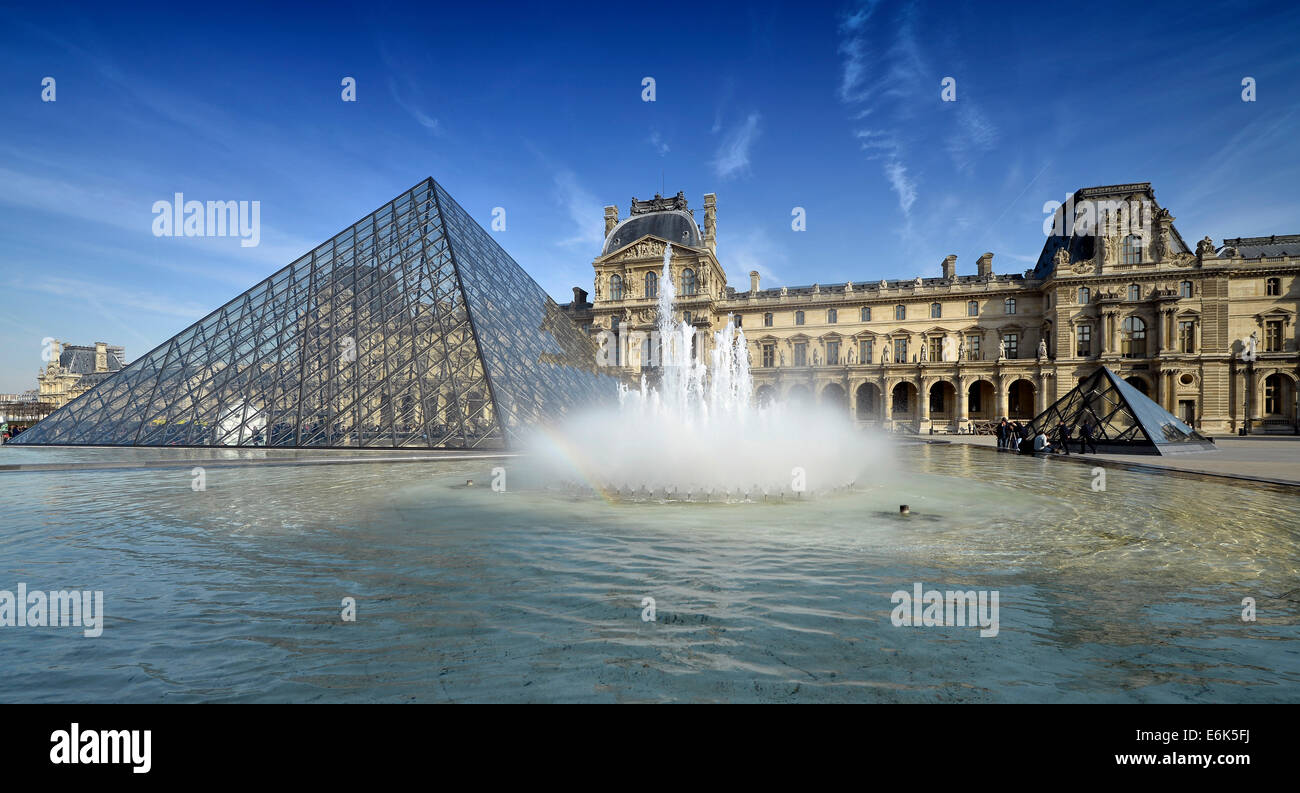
(675, 225)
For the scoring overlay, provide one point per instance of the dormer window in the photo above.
(1132, 249)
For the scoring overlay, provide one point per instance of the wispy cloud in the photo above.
(733, 155)
(872, 80)
(428, 122)
(974, 135)
(658, 142)
(585, 212)
(749, 249)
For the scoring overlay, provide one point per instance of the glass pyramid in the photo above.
(410, 329)
(1123, 419)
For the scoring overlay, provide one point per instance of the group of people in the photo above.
(1014, 435)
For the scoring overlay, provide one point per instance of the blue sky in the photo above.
(835, 108)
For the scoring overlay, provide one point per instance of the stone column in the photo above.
(886, 409)
(963, 402)
(1000, 396)
(1040, 395)
(923, 409)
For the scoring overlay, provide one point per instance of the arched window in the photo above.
(832, 316)
(1009, 306)
(1132, 249)
(972, 308)
(1085, 294)
(900, 311)
(1273, 287)
(936, 310)
(1134, 292)
(651, 285)
(767, 320)
(1185, 289)
(688, 281)
(1135, 338)
(798, 317)
(616, 287)
(866, 313)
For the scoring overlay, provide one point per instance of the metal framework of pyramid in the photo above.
(410, 329)
(1123, 418)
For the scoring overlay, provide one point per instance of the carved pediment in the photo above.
(645, 248)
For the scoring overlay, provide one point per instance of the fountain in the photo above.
(699, 431)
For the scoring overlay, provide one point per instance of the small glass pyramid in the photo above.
(1123, 419)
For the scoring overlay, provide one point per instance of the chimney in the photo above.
(950, 267)
(753, 280)
(579, 297)
(711, 222)
(985, 265)
(611, 219)
(101, 357)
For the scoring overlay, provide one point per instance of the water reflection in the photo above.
(234, 593)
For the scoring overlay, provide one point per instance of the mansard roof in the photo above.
(1255, 247)
(674, 225)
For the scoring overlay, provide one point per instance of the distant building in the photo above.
(1209, 332)
(75, 369)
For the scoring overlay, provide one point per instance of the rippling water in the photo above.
(233, 594)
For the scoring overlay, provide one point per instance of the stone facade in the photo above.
(75, 369)
(1115, 285)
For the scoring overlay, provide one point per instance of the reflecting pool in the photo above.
(234, 593)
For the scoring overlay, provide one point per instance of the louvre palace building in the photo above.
(1208, 331)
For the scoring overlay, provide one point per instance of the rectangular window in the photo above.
(936, 348)
(900, 350)
(972, 348)
(1084, 332)
(1013, 344)
(832, 353)
(864, 351)
(769, 356)
(801, 354)
(1273, 336)
(1187, 336)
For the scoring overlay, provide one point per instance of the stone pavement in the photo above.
(1271, 459)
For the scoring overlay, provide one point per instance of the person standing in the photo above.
(1085, 436)
(1002, 433)
(1063, 436)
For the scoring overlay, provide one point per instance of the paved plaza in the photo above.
(1273, 459)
